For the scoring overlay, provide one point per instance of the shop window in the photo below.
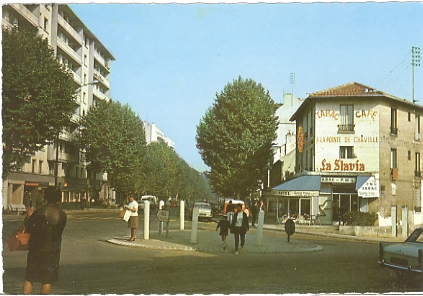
(346, 152)
(347, 119)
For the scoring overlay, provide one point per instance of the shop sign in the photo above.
(300, 139)
(370, 188)
(295, 193)
(342, 180)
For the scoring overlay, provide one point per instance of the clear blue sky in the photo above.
(172, 59)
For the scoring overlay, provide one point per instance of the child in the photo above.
(224, 226)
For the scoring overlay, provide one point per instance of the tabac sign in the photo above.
(370, 188)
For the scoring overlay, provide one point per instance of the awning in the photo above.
(367, 186)
(304, 186)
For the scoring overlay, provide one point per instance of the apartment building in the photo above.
(78, 48)
(357, 149)
(154, 134)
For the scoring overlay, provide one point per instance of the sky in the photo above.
(172, 59)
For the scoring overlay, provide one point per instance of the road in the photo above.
(89, 265)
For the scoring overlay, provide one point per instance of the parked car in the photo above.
(151, 198)
(204, 211)
(403, 257)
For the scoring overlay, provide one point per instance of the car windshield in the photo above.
(416, 236)
(202, 206)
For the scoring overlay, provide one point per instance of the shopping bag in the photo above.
(18, 241)
(127, 216)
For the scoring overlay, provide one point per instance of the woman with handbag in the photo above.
(46, 226)
(239, 227)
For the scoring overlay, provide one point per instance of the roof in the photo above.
(352, 89)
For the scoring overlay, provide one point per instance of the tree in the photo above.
(235, 137)
(114, 141)
(38, 96)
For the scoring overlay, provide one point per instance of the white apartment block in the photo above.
(154, 134)
(78, 48)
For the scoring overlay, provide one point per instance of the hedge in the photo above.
(360, 218)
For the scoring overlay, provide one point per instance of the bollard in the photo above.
(161, 207)
(182, 215)
(146, 219)
(260, 228)
(194, 225)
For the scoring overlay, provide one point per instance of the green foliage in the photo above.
(38, 97)
(114, 141)
(235, 137)
(360, 218)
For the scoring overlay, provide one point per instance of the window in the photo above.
(84, 97)
(347, 119)
(417, 165)
(34, 163)
(85, 59)
(346, 152)
(51, 168)
(40, 167)
(45, 24)
(394, 123)
(418, 135)
(394, 158)
(409, 155)
(409, 116)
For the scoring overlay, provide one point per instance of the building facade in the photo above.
(154, 134)
(357, 149)
(78, 48)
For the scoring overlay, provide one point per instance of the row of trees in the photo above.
(38, 101)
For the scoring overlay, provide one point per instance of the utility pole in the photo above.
(415, 61)
(292, 88)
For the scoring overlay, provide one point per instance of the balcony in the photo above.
(69, 51)
(101, 78)
(394, 131)
(26, 14)
(417, 136)
(346, 128)
(69, 29)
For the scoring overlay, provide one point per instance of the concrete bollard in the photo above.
(161, 207)
(260, 228)
(194, 225)
(182, 215)
(146, 219)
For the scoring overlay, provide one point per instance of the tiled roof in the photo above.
(349, 89)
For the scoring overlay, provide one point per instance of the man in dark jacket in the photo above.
(239, 227)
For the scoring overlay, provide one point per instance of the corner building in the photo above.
(357, 149)
(83, 53)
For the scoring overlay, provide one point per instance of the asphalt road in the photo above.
(89, 265)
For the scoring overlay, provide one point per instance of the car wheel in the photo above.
(405, 276)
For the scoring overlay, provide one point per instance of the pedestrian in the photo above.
(224, 227)
(239, 227)
(46, 226)
(39, 202)
(133, 219)
(254, 212)
(230, 211)
(28, 203)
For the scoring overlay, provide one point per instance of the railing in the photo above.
(346, 127)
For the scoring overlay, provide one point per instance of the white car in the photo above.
(204, 211)
(406, 257)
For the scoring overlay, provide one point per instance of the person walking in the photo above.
(224, 227)
(133, 219)
(239, 227)
(46, 226)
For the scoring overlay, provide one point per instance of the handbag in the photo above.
(19, 241)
